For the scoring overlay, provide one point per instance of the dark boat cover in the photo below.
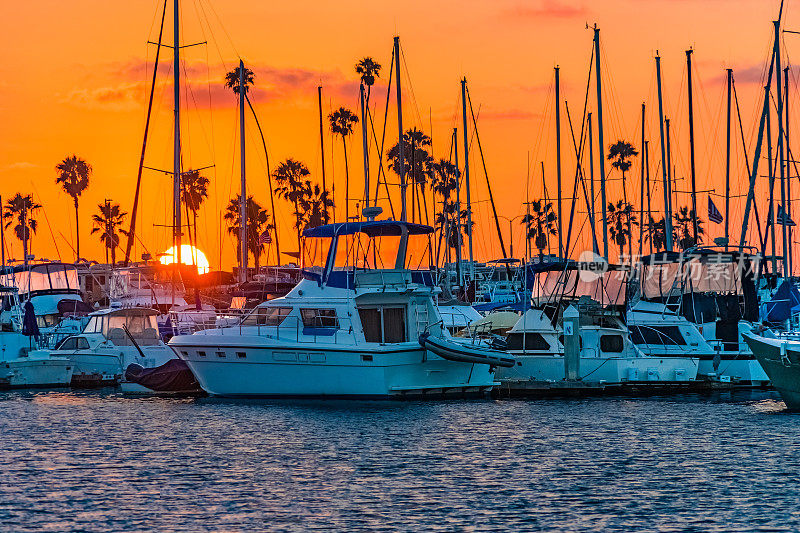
(172, 376)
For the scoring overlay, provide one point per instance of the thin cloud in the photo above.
(540, 9)
(206, 83)
(508, 114)
(753, 74)
(21, 165)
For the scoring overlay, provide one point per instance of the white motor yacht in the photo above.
(700, 303)
(353, 328)
(112, 341)
(54, 290)
(606, 353)
(22, 364)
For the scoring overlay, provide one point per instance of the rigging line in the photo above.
(132, 229)
(381, 171)
(206, 218)
(410, 86)
(583, 182)
(213, 37)
(269, 179)
(485, 173)
(744, 150)
(221, 25)
(47, 219)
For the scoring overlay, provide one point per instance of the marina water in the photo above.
(97, 461)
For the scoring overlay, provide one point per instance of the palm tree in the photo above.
(444, 177)
(232, 80)
(417, 164)
(342, 121)
(621, 152)
(21, 210)
(369, 69)
(683, 228)
(257, 224)
(315, 206)
(194, 191)
(657, 234)
(73, 175)
(106, 223)
(541, 223)
(620, 218)
(290, 185)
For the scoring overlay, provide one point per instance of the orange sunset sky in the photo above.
(74, 78)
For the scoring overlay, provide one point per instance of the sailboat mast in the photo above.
(558, 161)
(592, 212)
(728, 160)
(641, 189)
(2, 239)
(647, 181)
(771, 176)
(321, 141)
(365, 146)
(458, 211)
(176, 160)
(670, 177)
(664, 159)
(243, 194)
(466, 176)
(401, 158)
(691, 144)
(778, 93)
(600, 146)
(788, 207)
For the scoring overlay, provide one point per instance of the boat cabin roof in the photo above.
(126, 311)
(372, 228)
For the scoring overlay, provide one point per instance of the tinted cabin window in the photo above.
(319, 318)
(267, 316)
(82, 343)
(70, 344)
(394, 324)
(611, 343)
(530, 341)
(383, 324)
(663, 335)
(371, 322)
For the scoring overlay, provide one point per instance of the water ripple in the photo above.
(99, 461)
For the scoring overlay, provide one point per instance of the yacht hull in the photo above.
(35, 370)
(780, 360)
(746, 370)
(311, 370)
(611, 370)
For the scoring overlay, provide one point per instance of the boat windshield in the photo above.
(704, 274)
(361, 251)
(140, 325)
(607, 288)
(47, 277)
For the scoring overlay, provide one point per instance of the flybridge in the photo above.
(373, 228)
(360, 258)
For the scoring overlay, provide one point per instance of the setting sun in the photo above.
(189, 256)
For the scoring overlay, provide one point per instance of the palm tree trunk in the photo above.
(25, 236)
(77, 232)
(346, 184)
